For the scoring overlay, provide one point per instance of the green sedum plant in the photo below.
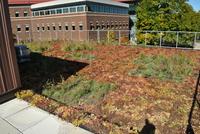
(175, 67)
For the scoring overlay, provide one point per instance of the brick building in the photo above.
(67, 19)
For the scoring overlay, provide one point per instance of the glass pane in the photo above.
(73, 9)
(65, 10)
(59, 11)
(41, 12)
(80, 9)
(53, 11)
(47, 12)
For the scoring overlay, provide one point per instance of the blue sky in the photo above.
(195, 4)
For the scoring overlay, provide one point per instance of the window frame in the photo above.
(17, 14)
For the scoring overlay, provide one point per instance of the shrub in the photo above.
(175, 67)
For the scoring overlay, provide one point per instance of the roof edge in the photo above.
(61, 2)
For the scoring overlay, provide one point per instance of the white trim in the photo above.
(68, 16)
(61, 2)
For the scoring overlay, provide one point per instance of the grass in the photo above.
(174, 68)
(39, 46)
(80, 56)
(77, 90)
(77, 46)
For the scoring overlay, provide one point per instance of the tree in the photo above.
(166, 15)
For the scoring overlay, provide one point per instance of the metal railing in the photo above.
(175, 39)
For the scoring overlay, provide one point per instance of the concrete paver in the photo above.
(6, 128)
(27, 118)
(53, 125)
(18, 117)
(12, 107)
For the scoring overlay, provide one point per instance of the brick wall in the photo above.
(42, 27)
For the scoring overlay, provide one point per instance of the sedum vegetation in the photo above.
(77, 46)
(77, 90)
(39, 46)
(174, 68)
(80, 56)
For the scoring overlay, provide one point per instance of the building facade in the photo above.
(68, 19)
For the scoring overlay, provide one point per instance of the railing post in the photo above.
(56, 35)
(63, 34)
(160, 39)
(119, 37)
(145, 38)
(177, 36)
(88, 31)
(195, 39)
(108, 35)
(40, 37)
(71, 34)
(98, 36)
(17, 37)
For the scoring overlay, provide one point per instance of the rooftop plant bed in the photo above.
(122, 90)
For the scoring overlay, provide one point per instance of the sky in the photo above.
(195, 4)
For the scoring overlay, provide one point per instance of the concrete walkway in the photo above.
(18, 117)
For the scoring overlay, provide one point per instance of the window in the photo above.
(80, 9)
(48, 28)
(27, 28)
(108, 26)
(43, 28)
(73, 27)
(60, 27)
(53, 11)
(124, 25)
(103, 27)
(120, 25)
(18, 28)
(16, 14)
(81, 27)
(112, 26)
(116, 26)
(97, 27)
(47, 12)
(38, 28)
(25, 13)
(54, 28)
(37, 13)
(66, 27)
(65, 10)
(127, 26)
(91, 27)
(41, 13)
(59, 11)
(72, 9)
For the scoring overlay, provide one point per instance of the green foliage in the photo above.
(80, 56)
(160, 15)
(111, 36)
(174, 68)
(77, 46)
(77, 90)
(39, 46)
